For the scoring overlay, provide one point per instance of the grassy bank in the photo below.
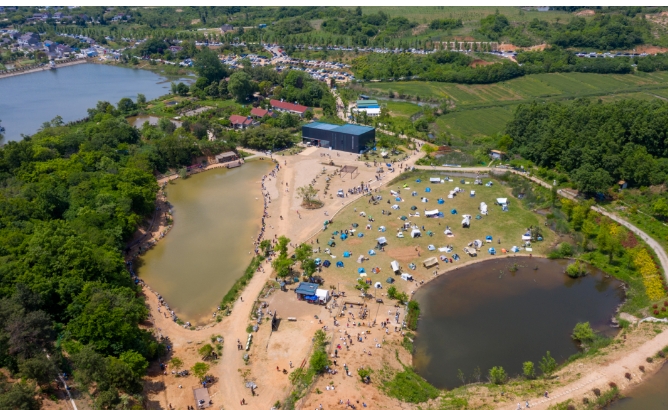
(241, 283)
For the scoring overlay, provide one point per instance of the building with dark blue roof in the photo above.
(349, 137)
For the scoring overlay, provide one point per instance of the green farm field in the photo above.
(507, 227)
(424, 14)
(547, 86)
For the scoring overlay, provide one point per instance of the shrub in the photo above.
(597, 392)
(528, 370)
(583, 333)
(649, 359)
(547, 364)
(497, 375)
(627, 375)
(363, 372)
(612, 385)
(642, 368)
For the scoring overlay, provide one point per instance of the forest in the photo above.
(596, 143)
(71, 196)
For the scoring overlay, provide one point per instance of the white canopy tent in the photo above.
(502, 201)
(395, 267)
(483, 208)
(415, 233)
(435, 180)
(431, 214)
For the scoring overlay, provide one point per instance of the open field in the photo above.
(484, 109)
(470, 123)
(466, 13)
(555, 85)
(401, 109)
(505, 226)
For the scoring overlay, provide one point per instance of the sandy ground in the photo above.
(291, 342)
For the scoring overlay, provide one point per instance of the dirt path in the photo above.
(601, 376)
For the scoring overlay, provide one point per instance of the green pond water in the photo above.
(217, 216)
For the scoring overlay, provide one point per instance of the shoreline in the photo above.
(44, 68)
(163, 214)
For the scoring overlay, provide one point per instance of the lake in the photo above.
(217, 216)
(483, 315)
(31, 99)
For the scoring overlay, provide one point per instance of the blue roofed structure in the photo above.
(306, 289)
(349, 137)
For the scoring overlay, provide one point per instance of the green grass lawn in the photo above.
(471, 123)
(402, 109)
(506, 226)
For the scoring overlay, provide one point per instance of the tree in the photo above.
(282, 245)
(240, 86)
(583, 333)
(659, 207)
(303, 252)
(125, 105)
(308, 115)
(136, 362)
(205, 351)
(176, 363)
(282, 265)
(208, 66)
(309, 266)
(40, 369)
(20, 396)
(528, 370)
(141, 99)
(547, 365)
(308, 194)
(182, 89)
(362, 285)
(319, 360)
(199, 370)
(265, 246)
(166, 125)
(497, 375)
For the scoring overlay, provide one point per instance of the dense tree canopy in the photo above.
(598, 144)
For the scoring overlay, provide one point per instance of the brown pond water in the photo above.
(651, 394)
(483, 315)
(217, 218)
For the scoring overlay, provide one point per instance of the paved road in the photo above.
(658, 249)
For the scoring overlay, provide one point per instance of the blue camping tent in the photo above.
(344, 236)
(418, 180)
(346, 254)
(427, 189)
(372, 252)
(326, 264)
(317, 261)
(491, 251)
(440, 201)
(360, 270)
(488, 238)
(339, 264)
(453, 211)
(398, 199)
(359, 235)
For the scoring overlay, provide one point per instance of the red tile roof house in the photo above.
(288, 107)
(261, 113)
(241, 122)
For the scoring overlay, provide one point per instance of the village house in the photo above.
(28, 39)
(226, 28)
(282, 106)
(226, 157)
(261, 113)
(239, 122)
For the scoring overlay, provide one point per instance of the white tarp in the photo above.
(435, 180)
(526, 237)
(322, 294)
(406, 276)
(502, 201)
(431, 213)
(415, 233)
(483, 208)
